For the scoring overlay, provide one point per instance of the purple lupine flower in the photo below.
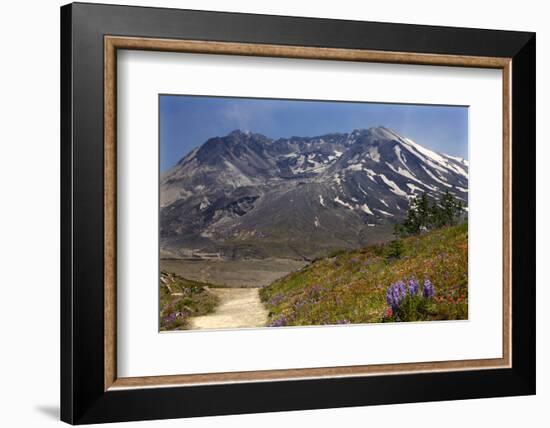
(170, 318)
(275, 300)
(278, 322)
(402, 289)
(428, 290)
(413, 287)
(391, 299)
(298, 304)
(395, 294)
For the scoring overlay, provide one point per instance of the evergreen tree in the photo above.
(399, 231)
(394, 249)
(450, 209)
(424, 211)
(423, 215)
(411, 225)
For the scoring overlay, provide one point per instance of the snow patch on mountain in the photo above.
(354, 167)
(341, 202)
(365, 208)
(205, 203)
(458, 159)
(429, 157)
(370, 174)
(362, 190)
(454, 167)
(384, 212)
(400, 156)
(374, 154)
(414, 188)
(434, 177)
(436, 157)
(404, 172)
(391, 184)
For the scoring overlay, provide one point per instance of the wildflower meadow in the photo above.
(426, 281)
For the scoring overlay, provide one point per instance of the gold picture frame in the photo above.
(114, 43)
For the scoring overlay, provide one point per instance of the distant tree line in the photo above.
(424, 214)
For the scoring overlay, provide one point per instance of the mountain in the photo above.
(246, 195)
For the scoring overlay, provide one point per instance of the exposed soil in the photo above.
(238, 308)
(232, 273)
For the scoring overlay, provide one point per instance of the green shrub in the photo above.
(394, 249)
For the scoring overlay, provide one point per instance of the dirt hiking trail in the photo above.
(238, 308)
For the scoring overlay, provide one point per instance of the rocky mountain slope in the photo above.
(245, 195)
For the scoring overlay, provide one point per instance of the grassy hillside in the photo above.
(181, 299)
(351, 287)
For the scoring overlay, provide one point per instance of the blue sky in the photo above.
(188, 121)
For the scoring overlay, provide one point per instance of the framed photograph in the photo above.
(265, 213)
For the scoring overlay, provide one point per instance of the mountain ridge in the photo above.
(247, 195)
